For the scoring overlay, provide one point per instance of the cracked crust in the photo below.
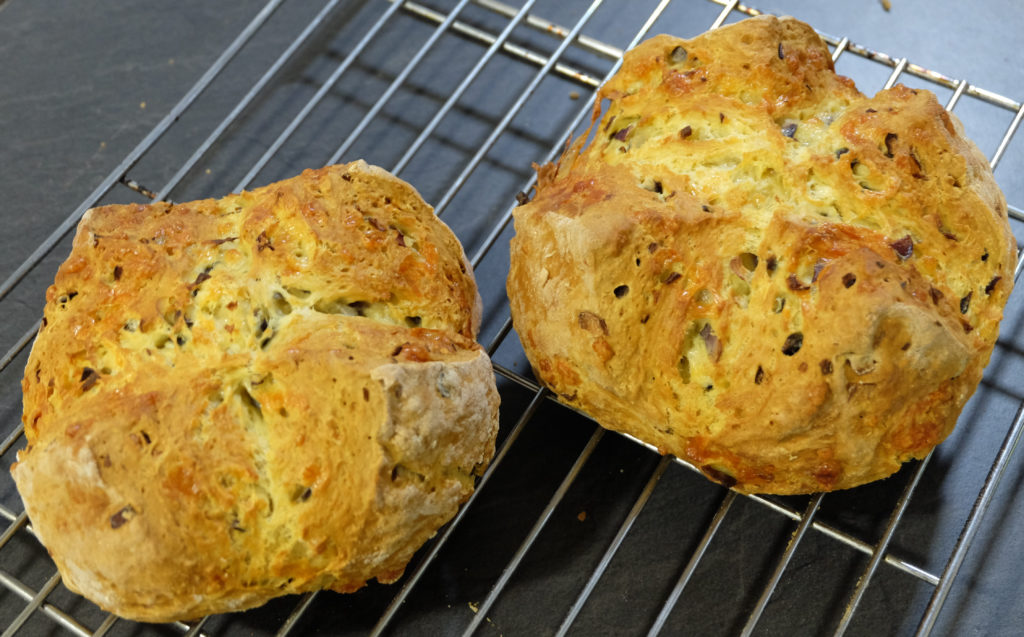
(758, 269)
(266, 394)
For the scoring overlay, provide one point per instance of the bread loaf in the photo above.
(756, 268)
(266, 394)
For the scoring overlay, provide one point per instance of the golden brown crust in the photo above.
(266, 394)
(759, 270)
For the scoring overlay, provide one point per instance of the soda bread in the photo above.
(271, 393)
(756, 268)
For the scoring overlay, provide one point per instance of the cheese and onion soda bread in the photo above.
(270, 393)
(758, 269)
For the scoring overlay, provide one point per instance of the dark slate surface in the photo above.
(82, 84)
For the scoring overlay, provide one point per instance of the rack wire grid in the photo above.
(571, 530)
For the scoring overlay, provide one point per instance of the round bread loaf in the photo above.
(271, 393)
(756, 268)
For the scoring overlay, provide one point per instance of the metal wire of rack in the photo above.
(413, 122)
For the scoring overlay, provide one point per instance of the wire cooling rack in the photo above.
(571, 530)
